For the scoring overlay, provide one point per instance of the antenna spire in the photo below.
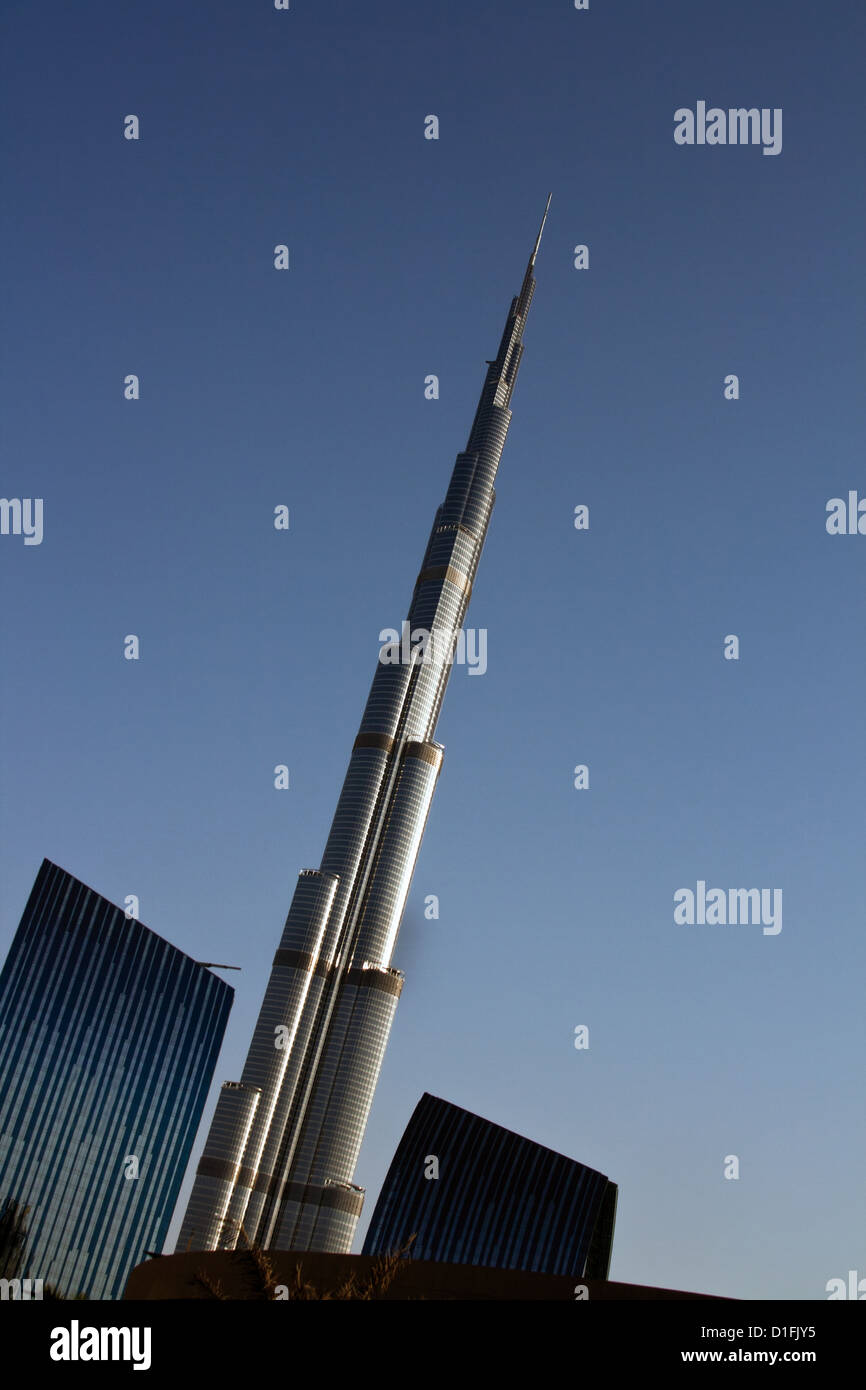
(540, 230)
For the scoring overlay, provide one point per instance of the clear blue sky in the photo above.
(306, 387)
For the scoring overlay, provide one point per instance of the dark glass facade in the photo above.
(109, 1037)
(499, 1200)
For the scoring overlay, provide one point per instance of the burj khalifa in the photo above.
(279, 1160)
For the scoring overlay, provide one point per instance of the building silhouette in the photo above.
(473, 1193)
(279, 1161)
(109, 1037)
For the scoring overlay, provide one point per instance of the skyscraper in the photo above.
(493, 1199)
(280, 1156)
(109, 1036)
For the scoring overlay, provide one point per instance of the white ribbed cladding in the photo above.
(323, 1142)
(331, 1231)
(203, 1223)
(287, 1017)
(439, 604)
(459, 487)
(449, 545)
(338, 1109)
(350, 830)
(294, 1188)
(314, 1227)
(311, 907)
(404, 703)
(250, 1198)
(237, 1143)
(340, 1100)
(389, 885)
(403, 695)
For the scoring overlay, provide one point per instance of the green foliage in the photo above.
(13, 1238)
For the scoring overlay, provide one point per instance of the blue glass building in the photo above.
(491, 1198)
(109, 1037)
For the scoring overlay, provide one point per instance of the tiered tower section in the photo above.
(281, 1153)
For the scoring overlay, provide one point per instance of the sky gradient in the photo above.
(605, 646)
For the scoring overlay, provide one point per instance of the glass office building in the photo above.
(109, 1037)
(279, 1162)
(473, 1193)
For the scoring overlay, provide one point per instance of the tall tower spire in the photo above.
(281, 1152)
(540, 233)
